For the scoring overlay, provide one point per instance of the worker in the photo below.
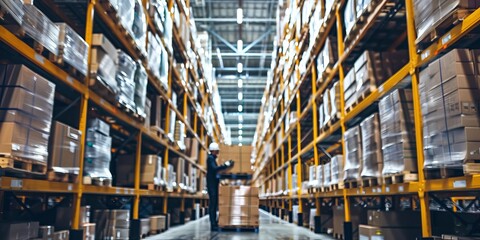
(213, 182)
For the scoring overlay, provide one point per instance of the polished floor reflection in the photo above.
(270, 228)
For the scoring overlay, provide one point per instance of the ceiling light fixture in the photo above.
(240, 126)
(239, 67)
(239, 15)
(240, 96)
(240, 108)
(239, 45)
(240, 83)
(240, 118)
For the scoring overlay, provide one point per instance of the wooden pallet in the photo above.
(351, 184)
(121, 104)
(72, 71)
(443, 26)
(361, 21)
(11, 163)
(403, 177)
(59, 176)
(371, 182)
(360, 98)
(338, 236)
(338, 186)
(154, 187)
(238, 228)
(330, 123)
(104, 182)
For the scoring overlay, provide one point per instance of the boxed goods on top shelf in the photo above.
(429, 15)
(158, 11)
(353, 157)
(158, 59)
(398, 132)
(369, 71)
(372, 159)
(98, 153)
(72, 49)
(449, 97)
(26, 115)
(125, 74)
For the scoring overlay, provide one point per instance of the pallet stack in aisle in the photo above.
(238, 207)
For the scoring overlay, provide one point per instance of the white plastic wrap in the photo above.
(336, 165)
(319, 176)
(450, 100)
(141, 81)
(154, 58)
(335, 101)
(311, 176)
(429, 14)
(14, 8)
(372, 159)
(327, 174)
(353, 157)
(72, 48)
(164, 67)
(139, 26)
(361, 6)
(126, 12)
(397, 132)
(125, 80)
(40, 28)
(349, 16)
(26, 108)
(97, 155)
(327, 56)
(329, 6)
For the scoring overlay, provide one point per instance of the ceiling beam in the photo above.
(216, 35)
(234, 20)
(249, 46)
(244, 69)
(265, 54)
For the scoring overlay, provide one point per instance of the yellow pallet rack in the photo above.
(272, 165)
(142, 135)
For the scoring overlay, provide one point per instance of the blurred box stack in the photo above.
(158, 11)
(450, 95)
(353, 157)
(141, 81)
(72, 49)
(14, 8)
(103, 68)
(312, 177)
(171, 122)
(398, 132)
(391, 225)
(336, 165)
(150, 170)
(179, 135)
(430, 14)
(238, 206)
(241, 155)
(139, 25)
(64, 149)
(26, 112)
(327, 174)
(319, 177)
(19, 230)
(372, 158)
(125, 77)
(112, 224)
(157, 224)
(98, 153)
(327, 57)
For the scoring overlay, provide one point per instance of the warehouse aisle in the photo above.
(270, 228)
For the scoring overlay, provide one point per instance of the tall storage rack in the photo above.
(136, 136)
(279, 145)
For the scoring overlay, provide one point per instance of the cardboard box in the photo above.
(239, 210)
(237, 221)
(64, 147)
(156, 114)
(373, 233)
(241, 155)
(150, 166)
(100, 40)
(234, 201)
(192, 148)
(397, 219)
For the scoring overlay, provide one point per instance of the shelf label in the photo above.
(425, 54)
(102, 101)
(70, 187)
(446, 39)
(117, 190)
(374, 190)
(16, 183)
(379, 190)
(70, 79)
(39, 58)
(387, 189)
(400, 189)
(380, 89)
(460, 184)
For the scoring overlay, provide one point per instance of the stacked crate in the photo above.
(398, 133)
(238, 207)
(450, 99)
(372, 159)
(241, 155)
(26, 112)
(97, 153)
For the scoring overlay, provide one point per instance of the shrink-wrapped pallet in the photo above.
(141, 81)
(14, 8)
(372, 159)
(98, 151)
(327, 174)
(125, 77)
(72, 48)
(37, 26)
(353, 157)
(336, 165)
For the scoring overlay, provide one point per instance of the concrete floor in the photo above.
(271, 228)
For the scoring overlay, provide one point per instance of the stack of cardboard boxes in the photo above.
(450, 97)
(241, 155)
(64, 149)
(391, 225)
(238, 206)
(372, 161)
(353, 156)
(150, 170)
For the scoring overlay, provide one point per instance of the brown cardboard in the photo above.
(374, 233)
(192, 148)
(241, 155)
(462, 101)
(394, 219)
(229, 200)
(236, 221)
(100, 40)
(156, 114)
(239, 210)
(64, 147)
(149, 169)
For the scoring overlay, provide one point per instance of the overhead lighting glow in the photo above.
(240, 108)
(239, 67)
(240, 45)
(240, 126)
(239, 15)
(240, 96)
(240, 83)
(240, 138)
(240, 118)
(240, 132)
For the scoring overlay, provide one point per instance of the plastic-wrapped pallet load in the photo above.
(430, 14)
(327, 57)
(14, 8)
(319, 182)
(72, 48)
(350, 88)
(98, 152)
(360, 7)
(127, 14)
(40, 28)
(336, 165)
(312, 176)
(335, 101)
(238, 206)
(327, 174)
(171, 127)
(112, 224)
(450, 95)
(26, 108)
(349, 16)
(103, 67)
(353, 157)
(141, 81)
(372, 159)
(398, 132)
(154, 58)
(125, 77)
(139, 25)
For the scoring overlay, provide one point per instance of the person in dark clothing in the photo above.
(213, 182)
